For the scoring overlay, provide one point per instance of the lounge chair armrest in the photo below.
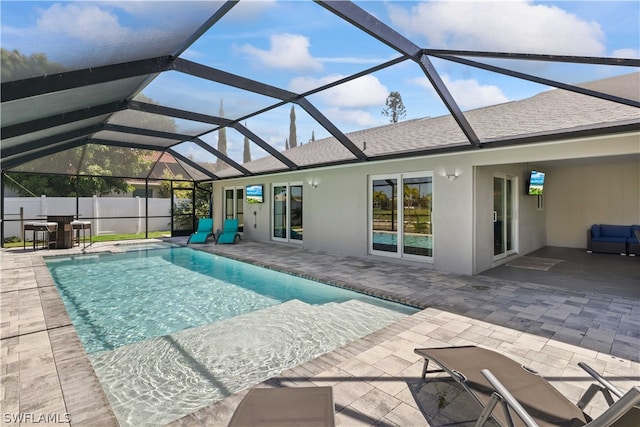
(589, 370)
(508, 398)
(628, 402)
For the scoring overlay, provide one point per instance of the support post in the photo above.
(146, 208)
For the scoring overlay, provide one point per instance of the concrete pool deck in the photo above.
(46, 374)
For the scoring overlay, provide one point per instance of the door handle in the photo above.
(495, 216)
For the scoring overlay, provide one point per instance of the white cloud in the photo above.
(511, 26)
(348, 102)
(468, 93)
(360, 118)
(366, 91)
(351, 60)
(249, 10)
(287, 51)
(81, 21)
(626, 53)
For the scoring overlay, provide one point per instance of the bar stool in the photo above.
(28, 226)
(46, 228)
(82, 225)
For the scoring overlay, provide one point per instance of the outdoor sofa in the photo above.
(613, 239)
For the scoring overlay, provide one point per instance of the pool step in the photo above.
(161, 379)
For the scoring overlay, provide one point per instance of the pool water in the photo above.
(171, 329)
(410, 240)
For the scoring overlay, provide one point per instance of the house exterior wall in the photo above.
(531, 224)
(606, 191)
(335, 213)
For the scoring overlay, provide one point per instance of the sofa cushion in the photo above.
(635, 234)
(595, 230)
(615, 230)
(610, 239)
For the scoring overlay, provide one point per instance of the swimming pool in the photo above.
(410, 240)
(170, 329)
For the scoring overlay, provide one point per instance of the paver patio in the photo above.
(375, 380)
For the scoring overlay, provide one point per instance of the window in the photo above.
(286, 202)
(234, 205)
(400, 208)
(140, 192)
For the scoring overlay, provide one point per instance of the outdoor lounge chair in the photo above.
(295, 406)
(229, 232)
(205, 229)
(491, 378)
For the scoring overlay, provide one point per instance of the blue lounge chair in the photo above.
(229, 232)
(205, 229)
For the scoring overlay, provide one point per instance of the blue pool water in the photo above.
(150, 291)
(412, 240)
(170, 330)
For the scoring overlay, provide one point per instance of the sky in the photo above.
(300, 46)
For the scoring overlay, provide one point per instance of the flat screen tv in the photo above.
(255, 193)
(536, 183)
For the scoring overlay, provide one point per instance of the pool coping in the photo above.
(83, 396)
(76, 396)
(76, 391)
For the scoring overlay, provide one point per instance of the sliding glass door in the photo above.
(384, 215)
(416, 231)
(504, 218)
(234, 206)
(286, 220)
(400, 209)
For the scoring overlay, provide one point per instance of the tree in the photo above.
(16, 66)
(140, 119)
(394, 109)
(222, 139)
(293, 141)
(183, 202)
(246, 154)
(166, 184)
(411, 195)
(380, 200)
(88, 170)
(103, 169)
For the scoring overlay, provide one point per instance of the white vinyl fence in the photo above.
(108, 215)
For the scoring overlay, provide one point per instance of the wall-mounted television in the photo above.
(536, 183)
(255, 193)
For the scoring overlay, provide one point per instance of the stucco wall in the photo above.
(336, 211)
(606, 191)
(531, 224)
(335, 215)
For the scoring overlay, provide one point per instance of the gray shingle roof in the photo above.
(553, 111)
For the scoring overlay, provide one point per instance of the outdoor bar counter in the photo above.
(64, 234)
